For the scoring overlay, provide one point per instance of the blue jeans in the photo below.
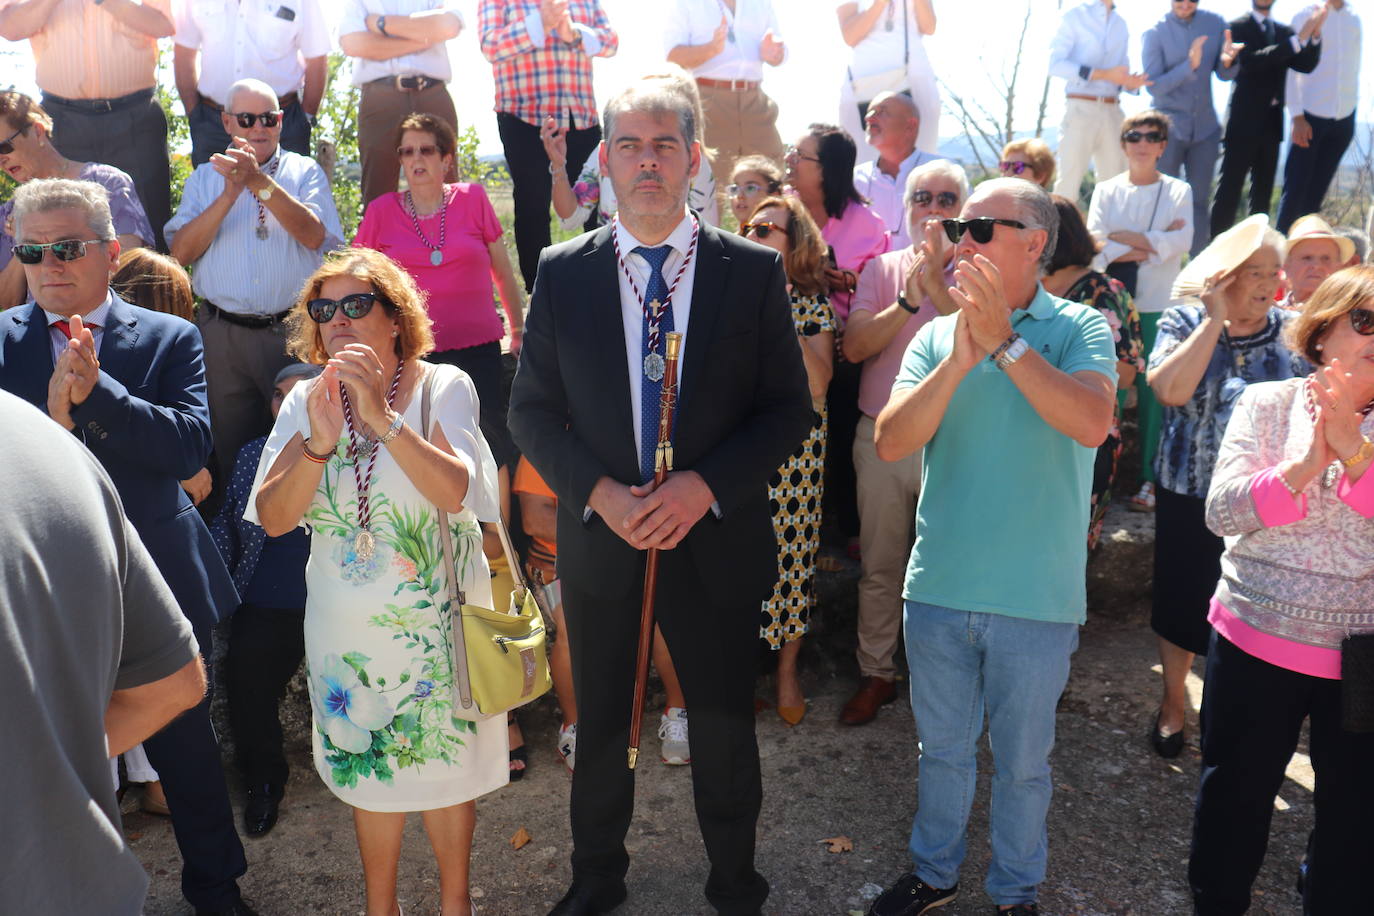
(962, 664)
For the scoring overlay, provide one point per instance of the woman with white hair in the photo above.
(1227, 335)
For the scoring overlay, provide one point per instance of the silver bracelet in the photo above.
(393, 430)
(556, 170)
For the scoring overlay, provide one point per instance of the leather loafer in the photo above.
(862, 707)
(588, 900)
(260, 811)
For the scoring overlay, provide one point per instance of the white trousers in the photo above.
(1091, 131)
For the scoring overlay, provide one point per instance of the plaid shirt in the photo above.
(548, 80)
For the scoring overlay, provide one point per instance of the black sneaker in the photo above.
(1020, 909)
(911, 896)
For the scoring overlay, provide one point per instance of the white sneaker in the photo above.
(567, 745)
(672, 731)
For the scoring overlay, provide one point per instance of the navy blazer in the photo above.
(148, 423)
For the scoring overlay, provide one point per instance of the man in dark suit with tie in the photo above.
(1254, 117)
(584, 410)
(130, 383)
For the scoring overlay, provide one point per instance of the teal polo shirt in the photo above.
(1002, 522)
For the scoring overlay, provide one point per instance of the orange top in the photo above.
(84, 52)
(527, 480)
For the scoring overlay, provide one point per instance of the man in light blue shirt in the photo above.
(892, 127)
(1089, 52)
(1182, 51)
(1010, 397)
(255, 221)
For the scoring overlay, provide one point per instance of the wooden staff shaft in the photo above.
(663, 463)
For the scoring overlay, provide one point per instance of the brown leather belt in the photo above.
(1109, 100)
(283, 101)
(406, 83)
(256, 322)
(729, 85)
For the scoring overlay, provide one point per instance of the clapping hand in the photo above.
(238, 164)
(1195, 51)
(360, 373)
(1334, 393)
(982, 301)
(325, 409)
(771, 49)
(75, 374)
(719, 36)
(1312, 28)
(1229, 49)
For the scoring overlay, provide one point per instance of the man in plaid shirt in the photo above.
(541, 57)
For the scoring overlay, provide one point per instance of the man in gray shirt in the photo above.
(1181, 52)
(95, 656)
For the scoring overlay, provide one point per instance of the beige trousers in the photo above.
(887, 527)
(380, 112)
(738, 124)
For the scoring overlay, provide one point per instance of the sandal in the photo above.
(1144, 501)
(521, 756)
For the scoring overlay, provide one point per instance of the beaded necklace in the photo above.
(364, 543)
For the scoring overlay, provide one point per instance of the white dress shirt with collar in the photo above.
(1333, 89)
(885, 193)
(94, 319)
(268, 40)
(432, 62)
(240, 272)
(1090, 37)
(694, 22)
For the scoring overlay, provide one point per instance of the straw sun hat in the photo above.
(1313, 228)
(1227, 252)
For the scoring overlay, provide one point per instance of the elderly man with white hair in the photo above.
(898, 293)
(892, 126)
(1009, 396)
(255, 221)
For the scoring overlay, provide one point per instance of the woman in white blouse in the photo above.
(888, 56)
(1143, 219)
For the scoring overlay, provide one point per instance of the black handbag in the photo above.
(1357, 683)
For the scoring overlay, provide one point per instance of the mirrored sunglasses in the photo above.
(1362, 320)
(409, 152)
(248, 119)
(1012, 168)
(981, 229)
(762, 229)
(946, 199)
(65, 250)
(354, 306)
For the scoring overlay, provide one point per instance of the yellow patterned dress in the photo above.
(795, 495)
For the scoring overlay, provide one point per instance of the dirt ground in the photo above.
(1118, 826)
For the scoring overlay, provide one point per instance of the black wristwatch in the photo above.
(381, 26)
(901, 300)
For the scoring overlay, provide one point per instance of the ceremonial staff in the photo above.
(663, 463)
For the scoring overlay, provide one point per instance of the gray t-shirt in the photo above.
(83, 611)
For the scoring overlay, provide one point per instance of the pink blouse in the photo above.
(858, 236)
(458, 290)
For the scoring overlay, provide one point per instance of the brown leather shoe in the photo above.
(863, 705)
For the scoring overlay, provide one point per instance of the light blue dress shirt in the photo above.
(1090, 37)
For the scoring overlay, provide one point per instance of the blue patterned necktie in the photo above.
(651, 390)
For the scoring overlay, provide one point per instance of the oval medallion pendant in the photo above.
(436, 257)
(364, 544)
(654, 366)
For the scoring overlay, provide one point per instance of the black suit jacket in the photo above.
(744, 406)
(147, 422)
(1263, 77)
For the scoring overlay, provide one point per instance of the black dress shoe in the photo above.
(588, 900)
(1166, 746)
(237, 908)
(260, 812)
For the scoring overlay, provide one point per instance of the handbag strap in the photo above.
(462, 680)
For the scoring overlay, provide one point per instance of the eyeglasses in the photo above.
(980, 229)
(248, 119)
(354, 306)
(7, 145)
(1013, 168)
(65, 250)
(1149, 136)
(1362, 320)
(749, 187)
(408, 152)
(946, 199)
(762, 229)
(794, 154)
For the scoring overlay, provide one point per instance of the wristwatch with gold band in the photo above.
(1365, 451)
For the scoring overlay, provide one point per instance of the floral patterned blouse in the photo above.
(1109, 297)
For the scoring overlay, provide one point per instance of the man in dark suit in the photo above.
(130, 383)
(584, 410)
(1254, 117)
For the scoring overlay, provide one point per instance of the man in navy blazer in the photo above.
(130, 383)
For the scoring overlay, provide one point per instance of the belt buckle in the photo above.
(400, 83)
(105, 105)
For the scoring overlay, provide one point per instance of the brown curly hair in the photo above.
(807, 251)
(154, 281)
(1341, 293)
(396, 292)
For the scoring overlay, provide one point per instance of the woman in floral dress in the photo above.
(796, 488)
(1071, 277)
(349, 458)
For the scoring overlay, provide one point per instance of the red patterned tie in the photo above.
(65, 327)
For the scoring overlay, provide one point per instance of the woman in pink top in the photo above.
(448, 238)
(1293, 496)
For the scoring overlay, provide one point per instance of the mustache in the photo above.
(649, 176)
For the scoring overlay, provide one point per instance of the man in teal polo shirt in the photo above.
(1010, 397)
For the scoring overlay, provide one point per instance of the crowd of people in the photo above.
(884, 357)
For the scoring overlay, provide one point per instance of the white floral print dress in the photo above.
(387, 734)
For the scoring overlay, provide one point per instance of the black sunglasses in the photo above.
(944, 199)
(248, 119)
(1152, 136)
(981, 228)
(355, 306)
(65, 250)
(7, 145)
(762, 229)
(1362, 320)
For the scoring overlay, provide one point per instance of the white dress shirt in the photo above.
(693, 22)
(432, 62)
(1093, 37)
(240, 272)
(268, 40)
(94, 320)
(632, 310)
(1332, 90)
(886, 193)
(1119, 205)
(881, 50)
